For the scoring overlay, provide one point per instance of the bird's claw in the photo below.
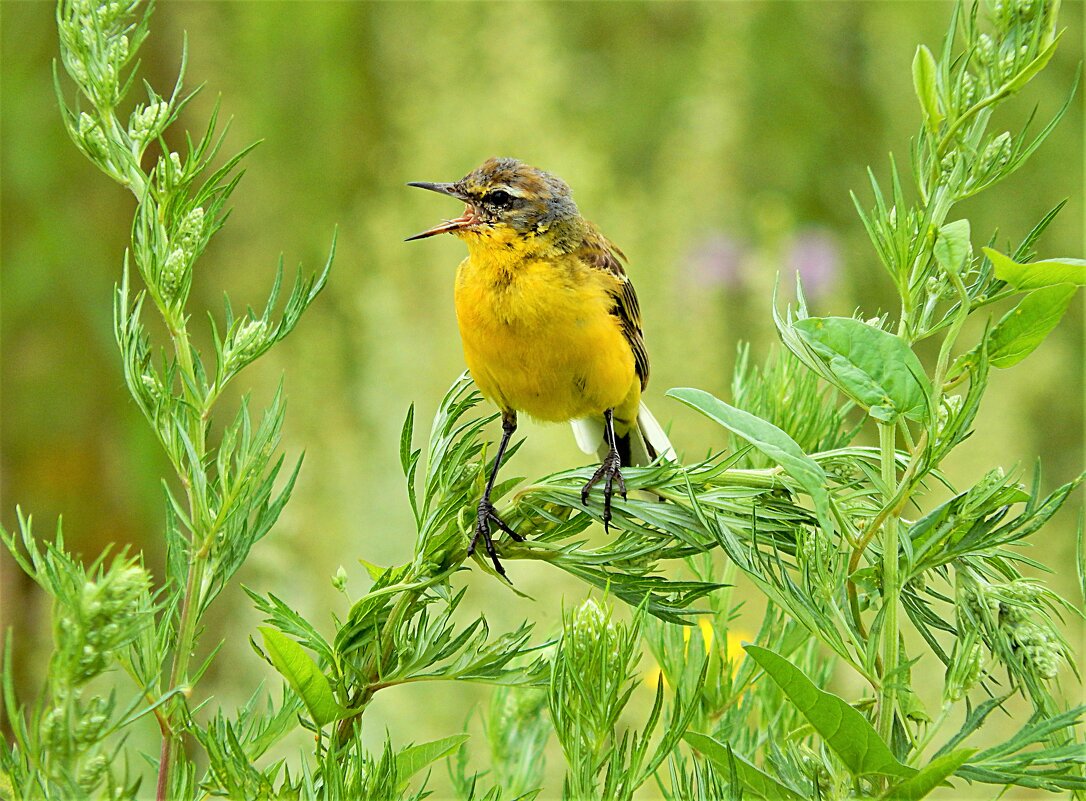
(609, 472)
(487, 515)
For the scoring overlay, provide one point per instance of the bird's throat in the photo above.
(504, 250)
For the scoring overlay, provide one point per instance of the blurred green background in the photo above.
(714, 142)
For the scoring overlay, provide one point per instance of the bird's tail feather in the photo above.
(640, 445)
(654, 436)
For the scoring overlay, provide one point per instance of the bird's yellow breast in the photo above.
(539, 336)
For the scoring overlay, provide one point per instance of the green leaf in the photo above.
(1031, 69)
(303, 675)
(930, 776)
(417, 757)
(373, 571)
(952, 245)
(844, 728)
(1025, 326)
(874, 368)
(1038, 274)
(405, 439)
(770, 440)
(924, 71)
(760, 433)
(754, 779)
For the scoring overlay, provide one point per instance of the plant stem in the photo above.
(890, 588)
(199, 547)
(372, 669)
(891, 508)
(933, 729)
(179, 671)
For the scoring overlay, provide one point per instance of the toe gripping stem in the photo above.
(610, 472)
(487, 514)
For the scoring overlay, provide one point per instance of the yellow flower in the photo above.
(733, 648)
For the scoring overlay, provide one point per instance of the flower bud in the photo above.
(965, 669)
(1026, 9)
(985, 49)
(78, 69)
(249, 338)
(53, 730)
(189, 235)
(91, 772)
(1039, 648)
(1006, 64)
(89, 728)
(998, 151)
(92, 136)
(844, 471)
(339, 580)
(979, 494)
(589, 620)
(969, 88)
(151, 384)
(117, 50)
(590, 629)
(948, 409)
(981, 602)
(173, 271)
(147, 121)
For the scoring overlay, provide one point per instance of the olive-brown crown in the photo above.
(522, 196)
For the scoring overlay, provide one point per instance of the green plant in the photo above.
(865, 564)
(224, 498)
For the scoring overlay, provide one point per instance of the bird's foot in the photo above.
(487, 515)
(610, 472)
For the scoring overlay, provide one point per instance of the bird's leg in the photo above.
(487, 514)
(610, 470)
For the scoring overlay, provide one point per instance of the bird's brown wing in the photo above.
(600, 253)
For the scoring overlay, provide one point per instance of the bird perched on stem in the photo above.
(550, 324)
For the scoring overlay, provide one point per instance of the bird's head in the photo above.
(506, 200)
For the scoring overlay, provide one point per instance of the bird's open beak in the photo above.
(467, 219)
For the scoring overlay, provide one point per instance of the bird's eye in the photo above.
(499, 198)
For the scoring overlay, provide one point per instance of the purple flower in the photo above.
(716, 260)
(816, 256)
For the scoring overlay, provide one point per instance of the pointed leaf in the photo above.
(843, 727)
(930, 776)
(374, 571)
(874, 368)
(303, 675)
(1031, 69)
(924, 71)
(1039, 273)
(417, 757)
(1025, 326)
(405, 439)
(755, 780)
(764, 436)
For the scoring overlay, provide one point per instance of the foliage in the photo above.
(813, 520)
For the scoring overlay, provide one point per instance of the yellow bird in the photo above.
(550, 323)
